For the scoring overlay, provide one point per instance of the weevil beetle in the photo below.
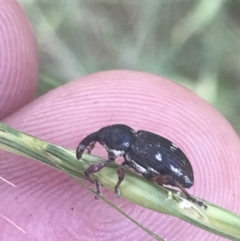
(154, 157)
(117, 140)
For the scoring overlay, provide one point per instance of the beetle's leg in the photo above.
(169, 180)
(121, 174)
(148, 175)
(99, 166)
(194, 200)
(96, 168)
(90, 147)
(98, 190)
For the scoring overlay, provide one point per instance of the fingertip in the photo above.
(19, 62)
(143, 101)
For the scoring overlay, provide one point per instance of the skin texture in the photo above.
(46, 204)
(18, 64)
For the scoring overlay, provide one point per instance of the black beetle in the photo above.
(155, 157)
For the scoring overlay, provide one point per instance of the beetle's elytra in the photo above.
(155, 157)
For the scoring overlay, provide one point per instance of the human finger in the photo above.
(59, 208)
(19, 63)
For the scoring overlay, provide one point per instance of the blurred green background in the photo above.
(194, 43)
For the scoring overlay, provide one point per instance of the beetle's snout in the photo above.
(80, 150)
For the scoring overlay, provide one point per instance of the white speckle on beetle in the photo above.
(81, 147)
(174, 145)
(136, 166)
(176, 170)
(152, 170)
(186, 179)
(117, 152)
(139, 168)
(159, 157)
(173, 148)
(126, 144)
